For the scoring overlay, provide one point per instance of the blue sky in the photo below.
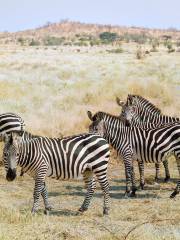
(18, 15)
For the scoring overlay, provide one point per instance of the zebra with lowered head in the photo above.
(132, 143)
(66, 158)
(149, 113)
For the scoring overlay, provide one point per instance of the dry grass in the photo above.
(151, 207)
(52, 90)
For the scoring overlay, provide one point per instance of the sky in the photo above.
(16, 15)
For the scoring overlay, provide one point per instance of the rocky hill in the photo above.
(69, 29)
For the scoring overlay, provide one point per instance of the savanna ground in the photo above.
(52, 88)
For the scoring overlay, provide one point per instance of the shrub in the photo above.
(53, 41)
(140, 38)
(155, 44)
(80, 44)
(139, 53)
(170, 47)
(34, 43)
(21, 41)
(117, 50)
(94, 42)
(108, 37)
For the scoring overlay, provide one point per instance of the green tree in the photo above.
(108, 37)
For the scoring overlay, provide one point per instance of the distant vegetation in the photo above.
(66, 33)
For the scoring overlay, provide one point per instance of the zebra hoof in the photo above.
(33, 212)
(106, 211)
(49, 208)
(167, 179)
(78, 213)
(127, 194)
(46, 212)
(174, 194)
(81, 210)
(132, 194)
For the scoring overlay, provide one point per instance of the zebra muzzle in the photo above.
(11, 174)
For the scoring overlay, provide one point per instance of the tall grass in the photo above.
(52, 90)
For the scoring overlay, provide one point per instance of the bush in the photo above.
(95, 42)
(117, 50)
(140, 38)
(53, 41)
(21, 41)
(108, 37)
(170, 47)
(34, 43)
(139, 53)
(155, 44)
(80, 44)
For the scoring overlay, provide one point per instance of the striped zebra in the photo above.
(10, 122)
(148, 112)
(66, 158)
(132, 143)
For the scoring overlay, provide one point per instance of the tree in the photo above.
(108, 37)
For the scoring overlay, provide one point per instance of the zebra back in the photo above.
(10, 122)
(64, 158)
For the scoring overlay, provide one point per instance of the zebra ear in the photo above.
(119, 102)
(89, 113)
(130, 99)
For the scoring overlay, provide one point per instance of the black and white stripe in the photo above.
(66, 158)
(132, 143)
(147, 112)
(10, 122)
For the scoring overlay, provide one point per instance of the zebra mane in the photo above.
(101, 115)
(145, 101)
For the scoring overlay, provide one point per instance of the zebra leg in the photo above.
(90, 184)
(166, 168)
(102, 179)
(177, 189)
(37, 192)
(133, 180)
(141, 173)
(44, 194)
(130, 176)
(157, 166)
(21, 173)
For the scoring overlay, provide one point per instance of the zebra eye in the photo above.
(6, 154)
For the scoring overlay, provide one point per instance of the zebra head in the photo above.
(97, 126)
(128, 114)
(144, 107)
(11, 154)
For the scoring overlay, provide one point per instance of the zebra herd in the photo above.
(141, 132)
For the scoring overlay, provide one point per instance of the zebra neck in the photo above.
(144, 125)
(114, 129)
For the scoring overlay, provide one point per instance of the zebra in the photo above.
(67, 158)
(11, 122)
(148, 112)
(132, 143)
